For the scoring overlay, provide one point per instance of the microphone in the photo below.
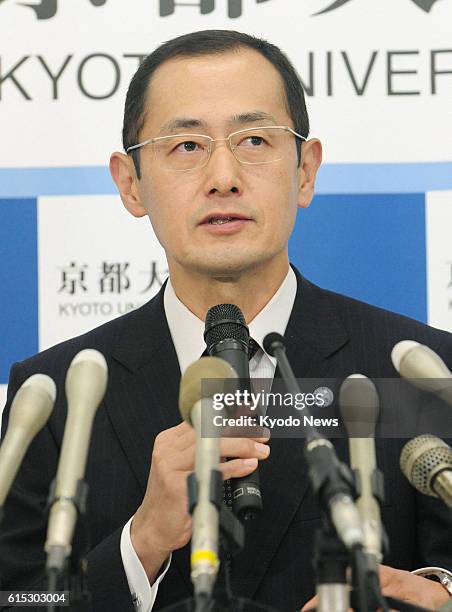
(427, 463)
(196, 408)
(359, 405)
(30, 410)
(86, 382)
(423, 367)
(331, 480)
(227, 336)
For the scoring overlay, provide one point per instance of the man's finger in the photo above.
(311, 604)
(181, 429)
(260, 434)
(244, 448)
(236, 468)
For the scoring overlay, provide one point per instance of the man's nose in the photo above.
(223, 170)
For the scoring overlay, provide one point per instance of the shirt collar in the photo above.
(187, 329)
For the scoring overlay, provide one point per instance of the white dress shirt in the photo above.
(187, 335)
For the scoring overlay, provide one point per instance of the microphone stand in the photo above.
(232, 534)
(338, 541)
(331, 562)
(232, 540)
(76, 579)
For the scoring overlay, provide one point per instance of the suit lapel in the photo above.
(313, 334)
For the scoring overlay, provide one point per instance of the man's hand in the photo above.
(162, 522)
(405, 586)
(411, 588)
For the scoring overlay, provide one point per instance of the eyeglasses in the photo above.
(253, 146)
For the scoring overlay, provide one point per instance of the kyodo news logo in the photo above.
(46, 9)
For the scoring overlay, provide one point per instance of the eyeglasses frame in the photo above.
(213, 140)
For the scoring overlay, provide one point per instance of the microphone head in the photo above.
(360, 406)
(418, 361)
(400, 350)
(217, 370)
(90, 355)
(33, 403)
(44, 382)
(273, 341)
(225, 322)
(86, 380)
(422, 459)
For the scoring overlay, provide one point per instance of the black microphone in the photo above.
(227, 336)
(331, 479)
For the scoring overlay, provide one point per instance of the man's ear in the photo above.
(311, 158)
(123, 173)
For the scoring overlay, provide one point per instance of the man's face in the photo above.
(210, 92)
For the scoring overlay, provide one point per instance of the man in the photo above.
(215, 133)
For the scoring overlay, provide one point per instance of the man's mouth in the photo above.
(222, 219)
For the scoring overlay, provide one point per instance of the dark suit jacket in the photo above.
(328, 335)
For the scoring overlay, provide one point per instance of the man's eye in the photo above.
(188, 146)
(253, 141)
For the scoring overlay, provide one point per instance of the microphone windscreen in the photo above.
(33, 404)
(271, 341)
(216, 370)
(400, 350)
(417, 361)
(86, 381)
(359, 405)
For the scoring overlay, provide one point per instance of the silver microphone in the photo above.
(359, 405)
(196, 407)
(423, 367)
(427, 463)
(86, 382)
(30, 410)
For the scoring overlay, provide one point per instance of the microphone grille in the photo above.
(225, 321)
(421, 460)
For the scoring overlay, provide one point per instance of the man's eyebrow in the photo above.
(251, 117)
(184, 123)
(179, 123)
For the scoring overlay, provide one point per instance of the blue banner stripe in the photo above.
(371, 247)
(34, 182)
(19, 282)
(384, 178)
(333, 178)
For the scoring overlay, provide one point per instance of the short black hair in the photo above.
(208, 42)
